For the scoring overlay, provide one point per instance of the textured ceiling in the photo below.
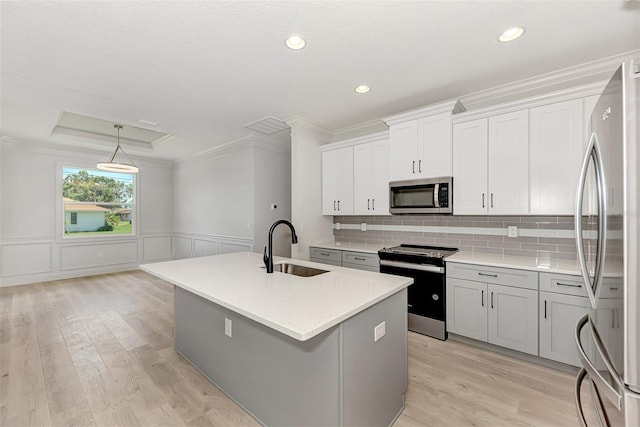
(203, 70)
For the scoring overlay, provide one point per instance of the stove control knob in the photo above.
(435, 297)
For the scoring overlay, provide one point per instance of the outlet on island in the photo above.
(379, 331)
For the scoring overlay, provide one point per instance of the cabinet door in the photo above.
(434, 146)
(509, 163)
(559, 315)
(470, 168)
(403, 151)
(467, 308)
(380, 177)
(556, 149)
(513, 318)
(337, 182)
(609, 318)
(362, 183)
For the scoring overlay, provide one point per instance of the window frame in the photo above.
(61, 236)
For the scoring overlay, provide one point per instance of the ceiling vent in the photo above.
(77, 125)
(268, 126)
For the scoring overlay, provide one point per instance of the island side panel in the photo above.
(279, 380)
(375, 375)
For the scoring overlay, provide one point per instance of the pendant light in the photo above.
(113, 166)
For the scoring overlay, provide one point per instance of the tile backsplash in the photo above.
(538, 236)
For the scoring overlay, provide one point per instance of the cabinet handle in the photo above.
(359, 259)
(488, 275)
(483, 200)
(491, 199)
(491, 299)
(373, 204)
(324, 254)
(613, 289)
(414, 166)
(482, 298)
(419, 166)
(338, 204)
(568, 284)
(368, 204)
(334, 205)
(613, 318)
(545, 309)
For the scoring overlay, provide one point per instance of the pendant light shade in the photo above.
(113, 166)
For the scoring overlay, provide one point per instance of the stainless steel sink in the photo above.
(297, 270)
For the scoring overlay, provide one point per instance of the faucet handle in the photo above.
(265, 258)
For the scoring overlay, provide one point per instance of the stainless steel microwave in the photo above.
(421, 196)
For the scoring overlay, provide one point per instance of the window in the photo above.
(97, 203)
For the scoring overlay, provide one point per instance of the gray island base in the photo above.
(339, 376)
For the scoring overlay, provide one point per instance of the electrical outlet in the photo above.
(512, 231)
(337, 226)
(379, 331)
(274, 206)
(363, 226)
(227, 327)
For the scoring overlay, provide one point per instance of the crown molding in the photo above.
(361, 129)
(577, 75)
(373, 137)
(453, 106)
(532, 102)
(299, 124)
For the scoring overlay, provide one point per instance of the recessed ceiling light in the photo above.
(295, 42)
(511, 34)
(362, 89)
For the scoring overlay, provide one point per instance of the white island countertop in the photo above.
(300, 307)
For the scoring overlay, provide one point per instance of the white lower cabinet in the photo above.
(491, 311)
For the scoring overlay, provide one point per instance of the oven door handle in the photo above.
(410, 266)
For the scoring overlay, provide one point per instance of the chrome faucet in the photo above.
(268, 256)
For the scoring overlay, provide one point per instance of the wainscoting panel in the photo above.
(182, 247)
(26, 258)
(205, 248)
(156, 248)
(98, 255)
(227, 248)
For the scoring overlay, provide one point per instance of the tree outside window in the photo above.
(97, 203)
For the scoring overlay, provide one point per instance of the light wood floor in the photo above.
(99, 351)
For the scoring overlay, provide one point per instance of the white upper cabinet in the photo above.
(508, 164)
(470, 149)
(490, 165)
(556, 149)
(421, 148)
(420, 142)
(337, 181)
(371, 178)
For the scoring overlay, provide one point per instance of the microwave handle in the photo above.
(436, 202)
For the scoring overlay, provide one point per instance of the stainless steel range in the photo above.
(426, 299)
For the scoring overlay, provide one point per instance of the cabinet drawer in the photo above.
(326, 261)
(562, 284)
(496, 275)
(568, 284)
(360, 258)
(326, 255)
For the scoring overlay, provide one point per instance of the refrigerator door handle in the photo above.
(603, 419)
(592, 151)
(613, 394)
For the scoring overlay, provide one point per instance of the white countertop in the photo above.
(346, 246)
(527, 263)
(300, 307)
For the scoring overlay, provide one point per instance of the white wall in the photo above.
(32, 248)
(222, 198)
(306, 186)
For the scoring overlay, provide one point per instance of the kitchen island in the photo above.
(294, 350)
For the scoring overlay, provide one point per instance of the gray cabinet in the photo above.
(563, 301)
(496, 305)
(352, 259)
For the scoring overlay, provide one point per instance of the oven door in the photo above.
(426, 297)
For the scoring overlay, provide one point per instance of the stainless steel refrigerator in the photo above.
(607, 223)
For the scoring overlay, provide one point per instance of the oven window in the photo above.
(413, 197)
